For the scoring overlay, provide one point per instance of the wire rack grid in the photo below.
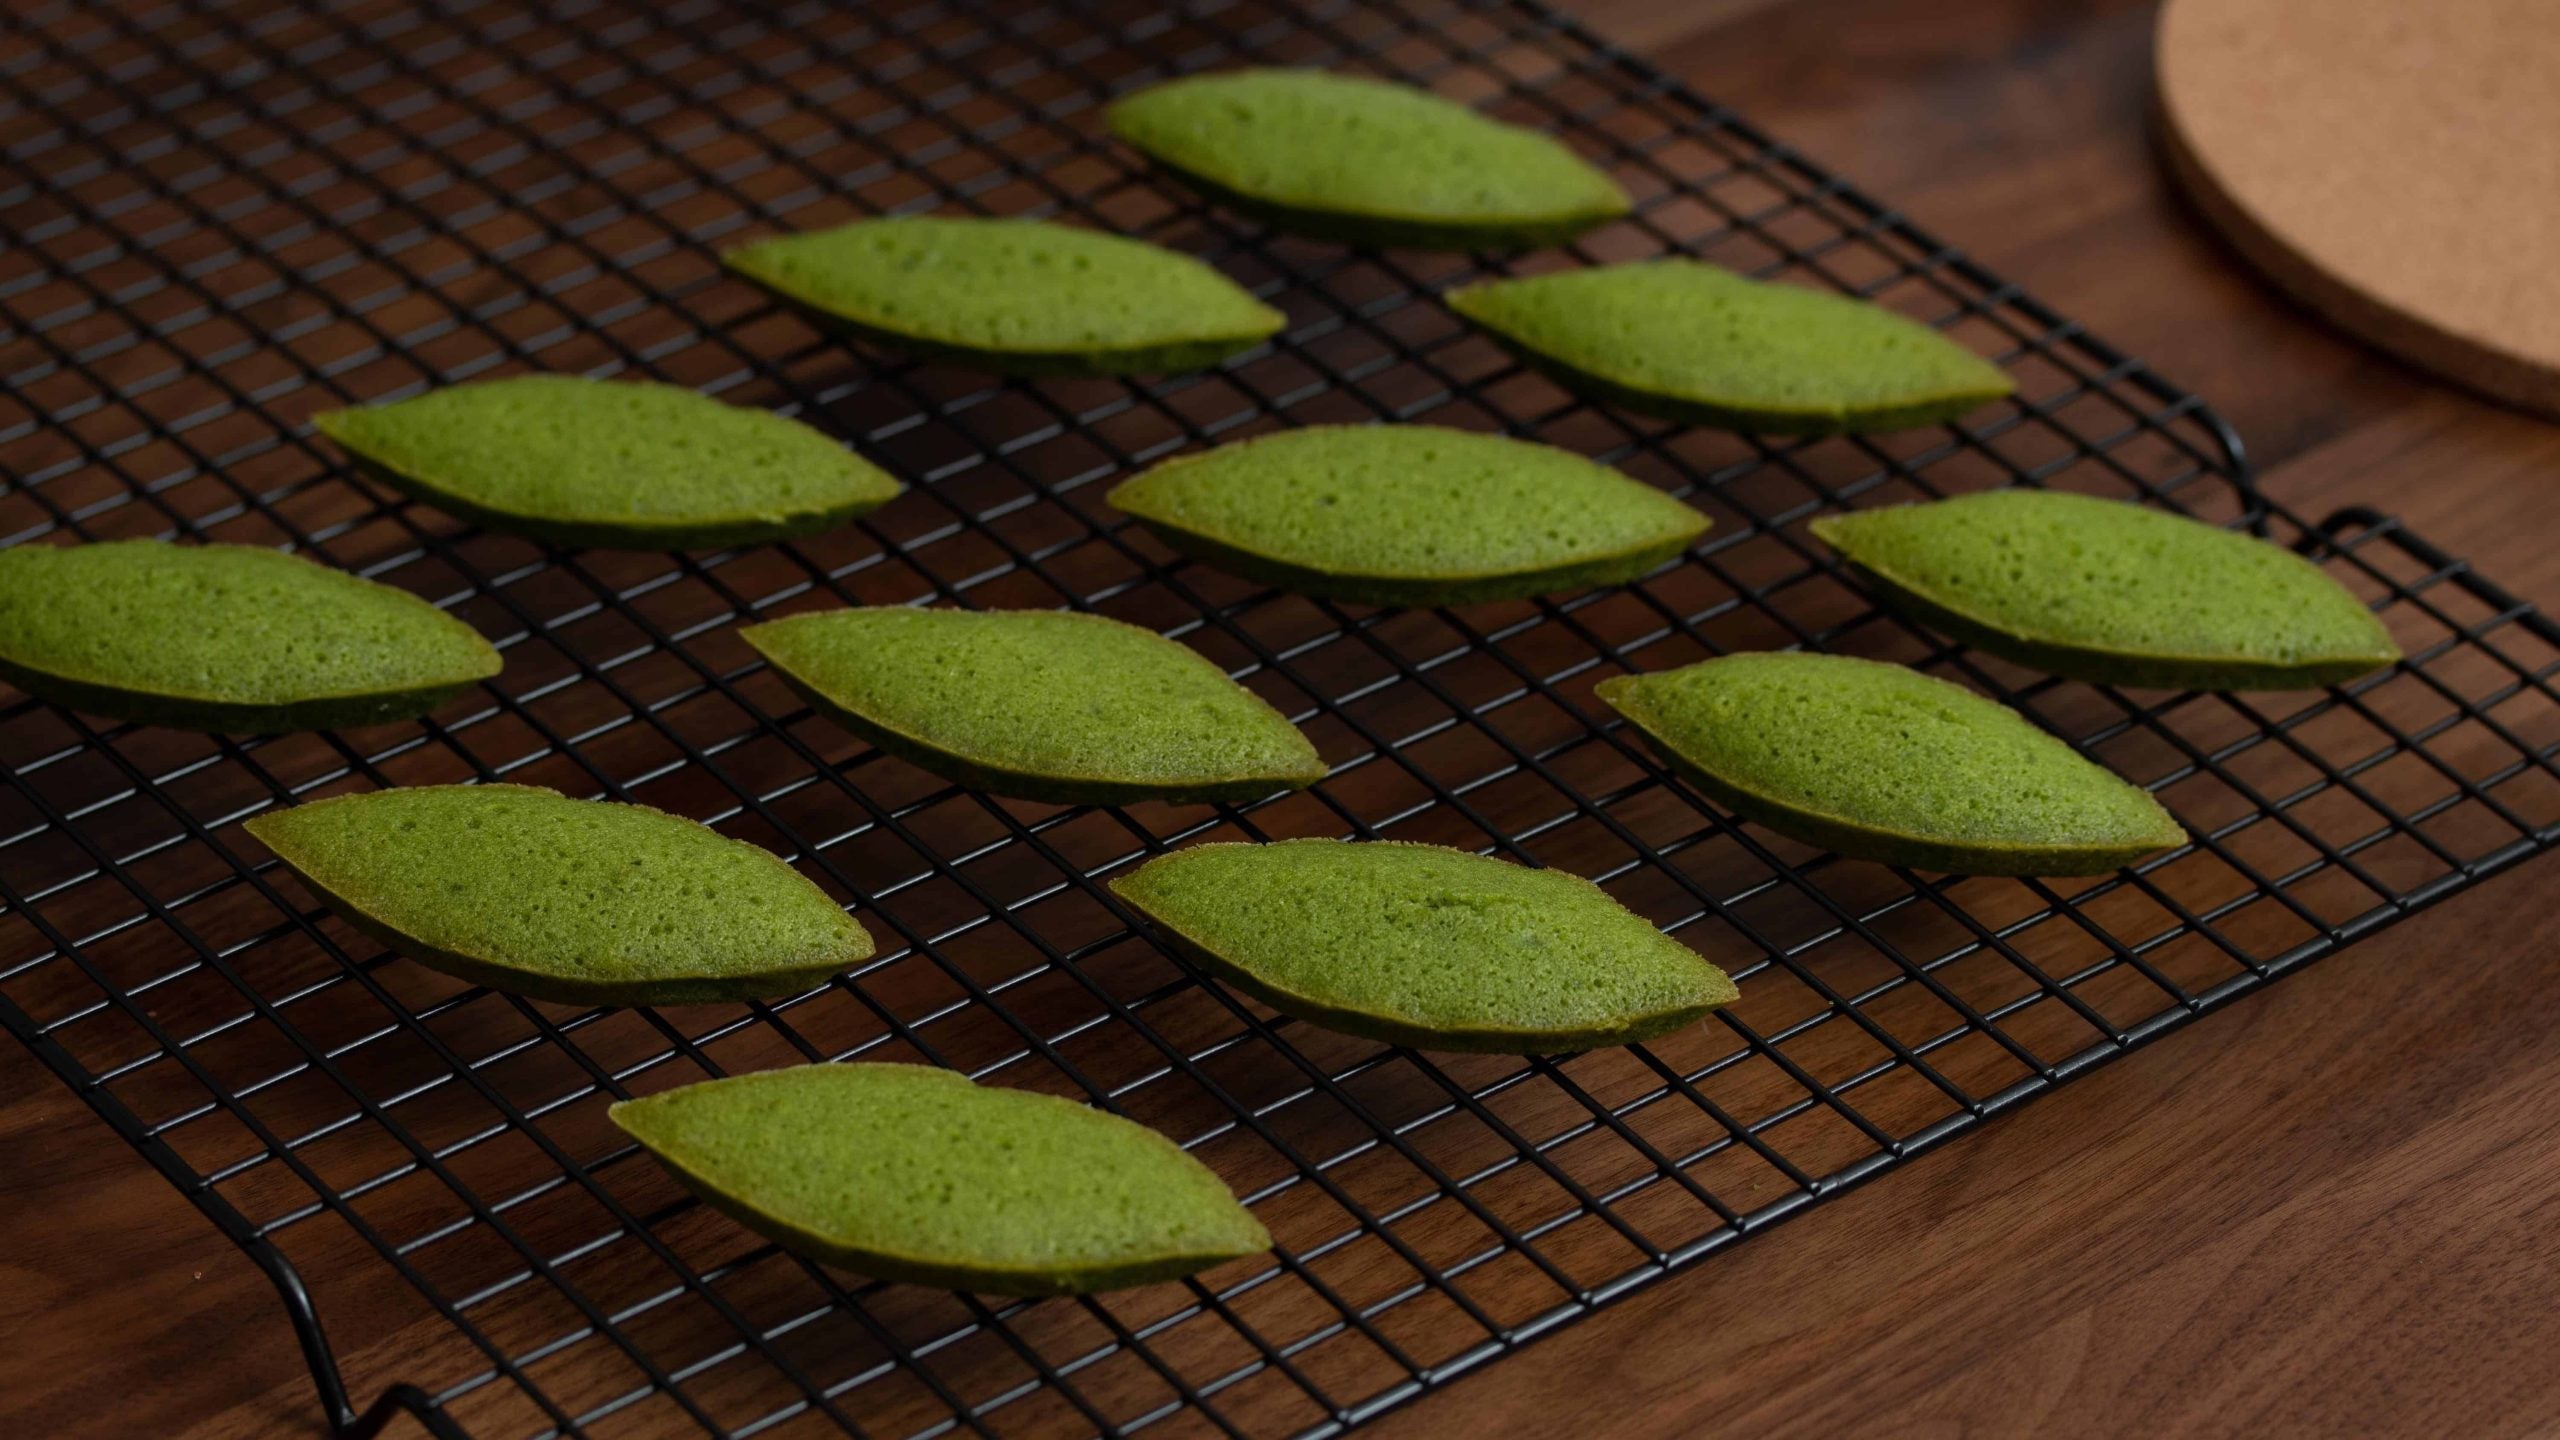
(224, 215)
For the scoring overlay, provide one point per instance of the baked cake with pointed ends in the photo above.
(1881, 762)
(1018, 297)
(906, 1172)
(236, 639)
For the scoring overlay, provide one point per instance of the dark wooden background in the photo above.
(2325, 1210)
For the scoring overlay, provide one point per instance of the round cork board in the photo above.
(2395, 164)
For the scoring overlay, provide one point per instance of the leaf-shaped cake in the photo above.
(231, 638)
(2112, 592)
(616, 464)
(1040, 704)
(1020, 297)
(527, 891)
(1881, 762)
(1691, 342)
(1409, 515)
(906, 1172)
(1425, 946)
(1365, 161)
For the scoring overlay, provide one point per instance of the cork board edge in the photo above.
(2449, 354)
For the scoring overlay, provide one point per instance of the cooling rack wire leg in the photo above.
(344, 1422)
(397, 1400)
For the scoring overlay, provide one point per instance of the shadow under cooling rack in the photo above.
(221, 216)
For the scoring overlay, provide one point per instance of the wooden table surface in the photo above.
(2323, 1210)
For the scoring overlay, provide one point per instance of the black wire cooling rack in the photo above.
(221, 217)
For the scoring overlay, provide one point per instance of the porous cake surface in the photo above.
(1042, 704)
(1422, 945)
(1409, 514)
(1015, 295)
(907, 1172)
(533, 892)
(225, 637)
(1366, 160)
(619, 464)
(2114, 592)
(1882, 762)
(1693, 342)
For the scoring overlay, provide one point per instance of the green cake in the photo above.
(619, 465)
(1365, 161)
(581, 901)
(1690, 342)
(905, 1172)
(2111, 592)
(1424, 946)
(1880, 762)
(235, 639)
(1040, 704)
(1020, 297)
(1409, 515)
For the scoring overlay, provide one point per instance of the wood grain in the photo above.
(2320, 1211)
(2323, 1211)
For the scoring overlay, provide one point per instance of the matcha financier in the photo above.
(1424, 946)
(1409, 515)
(1688, 341)
(1359, 160)
(1017, 297)
(237, 639)
(1039, 704)
(619, 465)
(1880, 762)
(906, 1172)
(585, 902)
(2113, 592)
